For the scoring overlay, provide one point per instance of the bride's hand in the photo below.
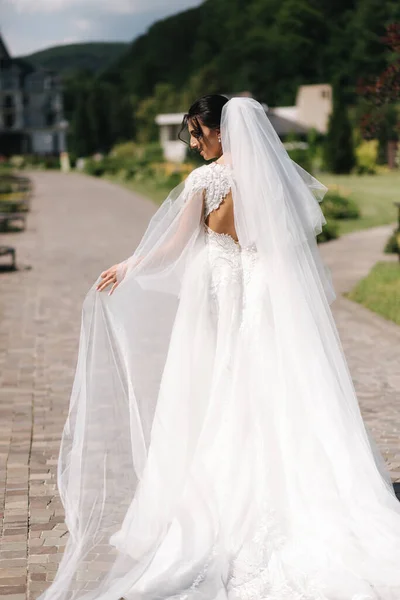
(108, 277)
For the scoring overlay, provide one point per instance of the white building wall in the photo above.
(19, 110)
(174, 151)
(42, 142)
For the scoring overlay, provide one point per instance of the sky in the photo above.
(31, 25)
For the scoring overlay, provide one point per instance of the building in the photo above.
(311, 111)
(31, 108)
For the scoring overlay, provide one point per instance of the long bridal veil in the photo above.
(332, 478)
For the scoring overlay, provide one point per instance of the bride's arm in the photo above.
(171, 246)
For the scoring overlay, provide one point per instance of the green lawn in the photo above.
(147, 188)
(380, 290)
(374, 194)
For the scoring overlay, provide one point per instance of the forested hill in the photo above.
(268, 47)
(93, 57)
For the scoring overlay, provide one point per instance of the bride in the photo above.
(214, 447)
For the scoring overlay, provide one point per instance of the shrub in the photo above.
(173, 180)
(367, 157)
(126, 150)
(393, 244)
(330, 231)
(41, 162)
(302, 157)
(6, 187)
(17, 161)
(152, 152)
(95, 168)
(336, 206)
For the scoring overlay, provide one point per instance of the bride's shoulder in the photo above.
(198, 172)
(203, 176)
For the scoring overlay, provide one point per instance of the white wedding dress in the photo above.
(257, 479)
(225, 475)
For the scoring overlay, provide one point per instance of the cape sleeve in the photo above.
(170, 232)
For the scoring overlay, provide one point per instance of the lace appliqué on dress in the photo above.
(215, 179)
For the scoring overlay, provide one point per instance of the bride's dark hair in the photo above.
(208, 109)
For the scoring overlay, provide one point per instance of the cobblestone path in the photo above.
(77, 227)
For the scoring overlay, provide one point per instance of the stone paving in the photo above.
(77, 227)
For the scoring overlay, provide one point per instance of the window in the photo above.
(9, 120)
(8, 102)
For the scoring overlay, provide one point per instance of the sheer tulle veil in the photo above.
(124, 345)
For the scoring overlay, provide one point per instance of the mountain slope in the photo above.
(93, 57)
(268, 47)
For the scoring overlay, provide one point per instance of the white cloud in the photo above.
(83, 24)
(120, 7)
(29, 25)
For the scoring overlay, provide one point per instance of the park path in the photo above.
(77, 227)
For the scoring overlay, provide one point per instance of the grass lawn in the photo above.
(147, 188)
(374, 194)
(380, 290)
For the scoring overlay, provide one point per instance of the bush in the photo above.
(393, 244)
(302, 157)
(96, 168)
(336, 206)
(126, 150)
(6, 187)
(130, 152)
(330, 231)
(367, 157)
(17, 161)
(173, 180)
(41, 162)
(152, 152)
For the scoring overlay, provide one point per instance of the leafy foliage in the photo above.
(381, 93)
(267, 47)
(101, 117)
(392, 246)
(92, 57)
(367, 157)
(336, 206)
(330, 231)
(339, 147)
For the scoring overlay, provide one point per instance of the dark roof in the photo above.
(285, 126)
(25, 66)
(4, 53)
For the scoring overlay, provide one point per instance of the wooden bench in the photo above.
(7, 217)
(16, 185)
(8, 251)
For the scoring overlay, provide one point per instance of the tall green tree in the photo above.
(339, 146)
(81, 141)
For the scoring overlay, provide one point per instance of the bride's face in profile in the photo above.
(204, 140)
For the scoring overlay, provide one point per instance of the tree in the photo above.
(164, 99)
(339, 146)
(81, 135)
(381, 93)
